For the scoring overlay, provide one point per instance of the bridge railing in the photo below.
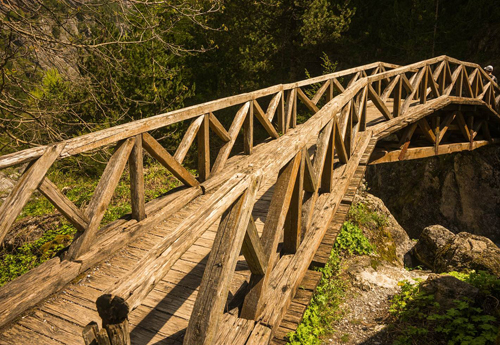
(306, 192)
(92, 241)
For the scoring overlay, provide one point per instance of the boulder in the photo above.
(431, 239)
(446, 289)
(466, 251)
(397, 235)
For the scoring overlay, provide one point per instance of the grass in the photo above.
(23, 254)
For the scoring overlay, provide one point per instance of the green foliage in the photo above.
(325, 306)
(324, 309)
(32, 254)
(417, 314)
(352, 240)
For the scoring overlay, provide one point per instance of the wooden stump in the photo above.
(113, 311)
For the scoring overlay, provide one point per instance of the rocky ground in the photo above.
(374, 279)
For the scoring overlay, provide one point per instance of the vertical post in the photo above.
(248, 131)
(204, 149)
(397, 98)
(293, 222)
(136, 168)
(423, 86)
(327, 172)
(281, 114)
(294, 112)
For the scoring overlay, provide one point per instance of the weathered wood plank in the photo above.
(308, 103)
(248, 132)
(379, 103)
(155, 149)
(218, 128)
(32, 287)
(204, 149)
(275, 220)
(253, 251)
(224, 152)
(293, 222)
(26, 185)
(261, 116)
(102, 197)
(424, 152)
(134, 287)
(69, 210)
(188, 139)
(136, 168)
(209, 306)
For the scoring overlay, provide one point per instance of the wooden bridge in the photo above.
(226, 259)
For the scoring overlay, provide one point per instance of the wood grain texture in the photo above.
(26, 185)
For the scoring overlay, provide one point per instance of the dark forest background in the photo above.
(73, 66)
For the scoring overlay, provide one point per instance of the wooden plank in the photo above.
(289, 108)
(29, 181)
(293, 222)
(224, 152)
(273, 106)
(136, 169)
(203, 137)
(188, 139)
(409, 99)
(32, 287)
(212, 296)
(308, 103)
(253, 251)
(155, 149)
(390, 87)
(463, 126)
(337, 85)
(260, 335)
(275, 220)
(149, 270)
(327, 171)
(102, 197)
(248, 132)
(446, 124)
(69, 210)
(424, 152)
(321, 92)
(427, 130)
(322, 145)
(261, 116)
(397, 99)
(379, 103)
(218, 128)
(310, 180)
(282, 114)
(342, 153)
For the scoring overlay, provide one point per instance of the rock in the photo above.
(366, 273)
(467, 251)
(397, 235)
(460, 191)
(431, 239)
(446, 289)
